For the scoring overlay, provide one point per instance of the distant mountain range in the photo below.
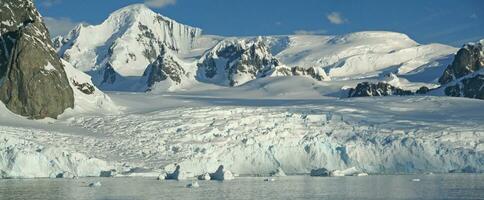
(138, 50)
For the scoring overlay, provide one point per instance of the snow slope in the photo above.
(97, 102)
(363, 54)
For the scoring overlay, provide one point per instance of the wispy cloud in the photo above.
(48, 3)
(310, 32)
(473, 16)
(336, 18)
(59, 26)
(159, 3)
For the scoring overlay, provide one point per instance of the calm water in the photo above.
(453, 186)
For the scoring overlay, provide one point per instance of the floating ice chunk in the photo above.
(361, 174)
(65, 175)
(194, 184)
(95, 184)
(161, 177)
(346, 172)
(319, 172)
(204, 177)
(279, 172)
(179, 174)
(221, 174)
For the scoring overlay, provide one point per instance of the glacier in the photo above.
(257, 136)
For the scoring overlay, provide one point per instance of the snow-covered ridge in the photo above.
(129, 40)
(362, 54)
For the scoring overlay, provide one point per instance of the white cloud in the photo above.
(59, 26)
(473, 16)
(159, 3)
(48, 3)
(310, 32)
(336, 18)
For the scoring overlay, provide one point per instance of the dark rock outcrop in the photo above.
(165, 67)
(367, 89)
(472, 87)
(468, 60)
(33, 82)
(233, 63)
(465, 76)
(312, 72)
(85, 88)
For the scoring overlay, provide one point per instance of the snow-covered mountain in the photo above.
(120, 54)
(124, 44)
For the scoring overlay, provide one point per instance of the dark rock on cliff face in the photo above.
(85, 88)
(366, 89)
(312, 72)
(469, 59)
(165, 67)
(33, 82)
(423, 90)
(234, 63)
(472, 87)
(465, 77)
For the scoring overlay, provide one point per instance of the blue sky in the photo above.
(452, 22)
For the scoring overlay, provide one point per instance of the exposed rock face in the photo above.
(85, 88)
(33, 82)
(465, 77)
(312, 72)
(472, 87)
(468, 60)
(367, 89)
(165, 67)
(235, 62)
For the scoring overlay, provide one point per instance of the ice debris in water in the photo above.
(204, 177)
(194, 184)
(179, 174)
(95, 184)
(161, 177)
(221, 174)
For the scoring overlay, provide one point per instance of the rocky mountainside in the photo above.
(125, 44)
(33, 82)
(465, 76)
(166, 68)
(235, 62)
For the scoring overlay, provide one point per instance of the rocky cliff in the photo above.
(235, 62)
(465, 76)
(33, 82)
